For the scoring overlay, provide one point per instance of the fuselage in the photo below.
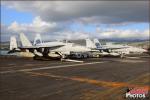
(70, 47)
(131, 50)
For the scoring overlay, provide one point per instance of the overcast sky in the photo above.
(75, 19)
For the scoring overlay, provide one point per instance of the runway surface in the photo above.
(94, 79)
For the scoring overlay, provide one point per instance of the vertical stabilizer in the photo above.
(37, 39)
(13, 43)
(90, 44)
(97, 43)
(24, 40)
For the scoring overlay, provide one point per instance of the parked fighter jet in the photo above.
(105, 50)
(28, 50)
(66, 50)
(116, 49)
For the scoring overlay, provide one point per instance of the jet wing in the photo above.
(36, 47)
(117, 48)
(28, 47)
(111, 48)
(51, 47)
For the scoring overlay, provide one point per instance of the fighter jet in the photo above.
(105, 50)
(28, 50)
(115, 49)
(66, 50)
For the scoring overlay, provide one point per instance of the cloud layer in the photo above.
(54, 18)
(110, 12)
(128, 33)
(50, 31)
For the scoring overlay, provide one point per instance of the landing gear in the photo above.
(122, 55)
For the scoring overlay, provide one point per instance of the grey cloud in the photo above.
(110, 12)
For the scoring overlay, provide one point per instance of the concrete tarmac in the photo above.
(94, 79)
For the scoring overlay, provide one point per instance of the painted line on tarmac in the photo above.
(91, 81)
(51, 67)
(133, 57)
